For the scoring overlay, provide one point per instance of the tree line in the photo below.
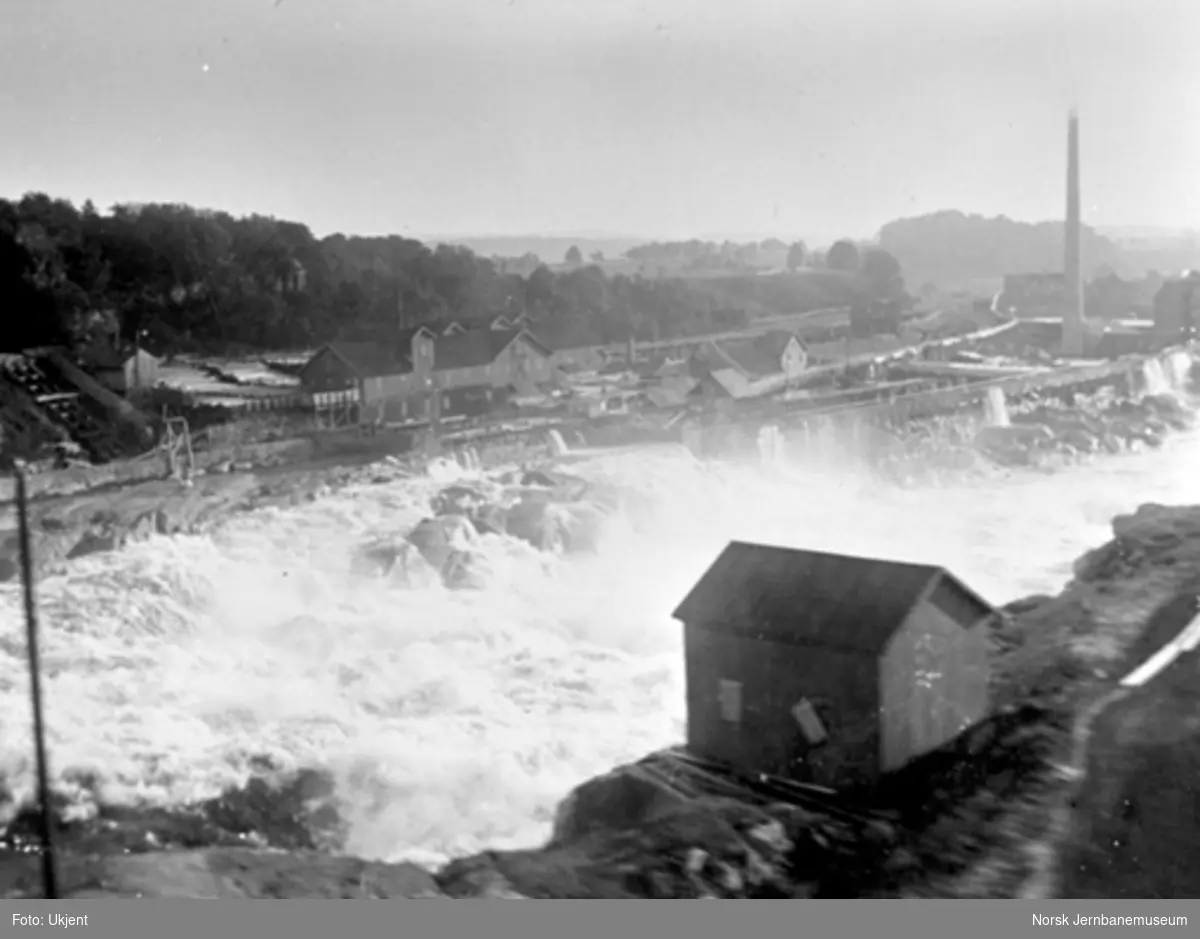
(177, 278)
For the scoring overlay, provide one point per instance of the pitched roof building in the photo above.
(827, 668)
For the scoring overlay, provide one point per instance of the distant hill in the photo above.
(550, 248)
(952, 248)
(1119, 233)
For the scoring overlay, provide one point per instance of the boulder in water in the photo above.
(1169, 409)
(465, 570)
(563, 487)
(458, 500)
(1013, 444)
(438, 538)
(395, 559)
(96, 541)
(538, 522)
(154, 522)
(554, 526)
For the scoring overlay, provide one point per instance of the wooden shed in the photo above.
(127, 370)
(829, 669)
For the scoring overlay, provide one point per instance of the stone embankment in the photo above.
(555, 512)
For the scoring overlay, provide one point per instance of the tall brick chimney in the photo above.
(1073, 316)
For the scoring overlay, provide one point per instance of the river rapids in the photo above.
(454, 721)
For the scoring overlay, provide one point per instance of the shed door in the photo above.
(729, 696)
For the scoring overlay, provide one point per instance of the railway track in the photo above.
(689, 777)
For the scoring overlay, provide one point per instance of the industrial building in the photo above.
(829, 669)
(751, 367)
(1177, 309)
(422, 375)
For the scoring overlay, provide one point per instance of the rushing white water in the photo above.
(1177, 367)
(997, 407)
(1156, 377)
(457, 720)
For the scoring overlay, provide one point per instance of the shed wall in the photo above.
(326, 372)
(519, 362)
(413, 409)
(774, 677)
(388, 387)
(141, 370)
(933, 680)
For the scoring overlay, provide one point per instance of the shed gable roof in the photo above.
(107, 359)
(838, 600)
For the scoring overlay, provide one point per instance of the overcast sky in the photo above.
(663, 118)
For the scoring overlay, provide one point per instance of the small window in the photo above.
(729, 694)
(810, 722)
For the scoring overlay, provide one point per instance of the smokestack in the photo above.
(1073, 321)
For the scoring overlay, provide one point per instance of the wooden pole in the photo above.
(45, 824)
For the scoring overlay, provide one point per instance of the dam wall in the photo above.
(852, 422)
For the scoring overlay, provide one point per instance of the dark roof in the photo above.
(758, 356)
(105, 358)
(404, 336)
(479, 347)
(838, 600)
(369, 359)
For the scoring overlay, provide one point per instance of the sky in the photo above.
(655, 118)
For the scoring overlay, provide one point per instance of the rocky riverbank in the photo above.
(553, 512)
(1038, 432)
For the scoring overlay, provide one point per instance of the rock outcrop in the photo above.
(1105, 422)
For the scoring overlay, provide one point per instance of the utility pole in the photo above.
(45, 823)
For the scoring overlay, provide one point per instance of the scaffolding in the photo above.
(177, 445)
(335, 410)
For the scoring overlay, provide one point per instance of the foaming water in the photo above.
(457, 720)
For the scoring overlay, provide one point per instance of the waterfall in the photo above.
(558, 446)
(770, 446)
(1155, 377)
(996, 407)
(1178, 368)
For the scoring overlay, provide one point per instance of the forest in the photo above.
(181, 279)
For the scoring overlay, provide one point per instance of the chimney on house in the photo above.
(1073, 313)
